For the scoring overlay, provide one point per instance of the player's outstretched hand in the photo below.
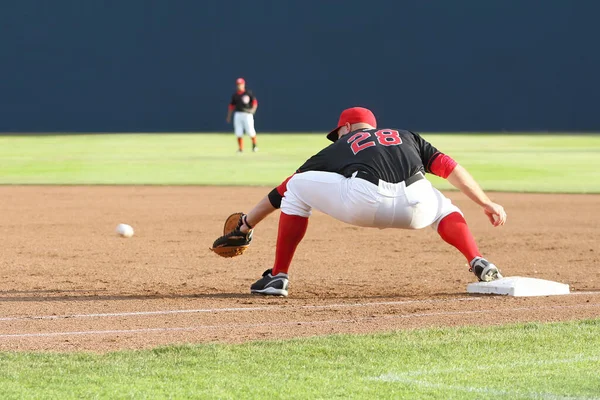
(495, 213)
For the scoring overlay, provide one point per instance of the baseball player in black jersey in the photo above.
(373, 178)
(244, 104)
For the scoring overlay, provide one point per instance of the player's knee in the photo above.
(447, 211)
(292, 206)
(291, 209)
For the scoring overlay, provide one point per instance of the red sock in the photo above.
(241, 143)
(454, 230)
(291, 231)
(254, 140)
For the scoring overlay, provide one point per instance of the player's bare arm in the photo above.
(266, 206)
(238, 229)
(257, 214)
(228, 119)
(461, 179)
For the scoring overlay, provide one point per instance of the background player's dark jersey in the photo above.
(243, 101)
(391, 155)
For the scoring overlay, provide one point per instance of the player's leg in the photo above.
(251, 131)
(293, 222)
(427, 206)
(305, 191)
(291, 231)
(238, 129)
(452, 227)
(325, 191)
(420, 205)
(350, 200)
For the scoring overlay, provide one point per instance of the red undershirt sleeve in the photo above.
(443, 165)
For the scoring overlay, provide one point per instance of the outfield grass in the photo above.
(554, 361)
(556, 163)
(531, 361)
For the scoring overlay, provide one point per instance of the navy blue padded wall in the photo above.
(170, 65)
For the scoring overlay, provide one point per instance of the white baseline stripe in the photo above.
(243, 309)
(273, 324)
(238, 309)
(487, 367)
(488, 392)
(410, 377)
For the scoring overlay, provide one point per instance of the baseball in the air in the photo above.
(124, 230)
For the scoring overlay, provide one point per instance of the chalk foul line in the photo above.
(288, 323)
(237, 309)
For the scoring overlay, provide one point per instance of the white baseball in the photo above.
(125, 230)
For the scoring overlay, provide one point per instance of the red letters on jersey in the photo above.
(385, 137)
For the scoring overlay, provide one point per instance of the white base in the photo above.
(519, 286)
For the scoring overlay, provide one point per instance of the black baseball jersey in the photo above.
(392, 155)
(243, 101)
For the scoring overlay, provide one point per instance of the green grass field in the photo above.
(557, 163)
(532, 361)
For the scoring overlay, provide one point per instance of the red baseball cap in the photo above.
(240, 81)
(353, 115)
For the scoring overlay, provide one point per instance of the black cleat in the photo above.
(484, 270)
(271, 285)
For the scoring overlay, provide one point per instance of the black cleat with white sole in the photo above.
(484, 270)
(271, 285)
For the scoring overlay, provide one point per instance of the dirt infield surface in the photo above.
(67, 282)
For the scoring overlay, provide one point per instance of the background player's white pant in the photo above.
(359, 202)
(243, 122)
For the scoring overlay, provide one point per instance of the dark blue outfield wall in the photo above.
(427, 65)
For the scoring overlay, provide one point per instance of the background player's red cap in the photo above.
(240, 81)
(353, 115)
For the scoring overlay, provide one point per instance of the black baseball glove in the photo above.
(233, 242)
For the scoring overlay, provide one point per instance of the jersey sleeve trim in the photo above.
(275, 198)
(277, 193)
(431, 160)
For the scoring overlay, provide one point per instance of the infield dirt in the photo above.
(68, 282)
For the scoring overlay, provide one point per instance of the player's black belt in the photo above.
(375, 180)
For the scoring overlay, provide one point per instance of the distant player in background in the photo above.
(244, 104)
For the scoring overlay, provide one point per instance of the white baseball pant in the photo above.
(243, 122)
(362, 203)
